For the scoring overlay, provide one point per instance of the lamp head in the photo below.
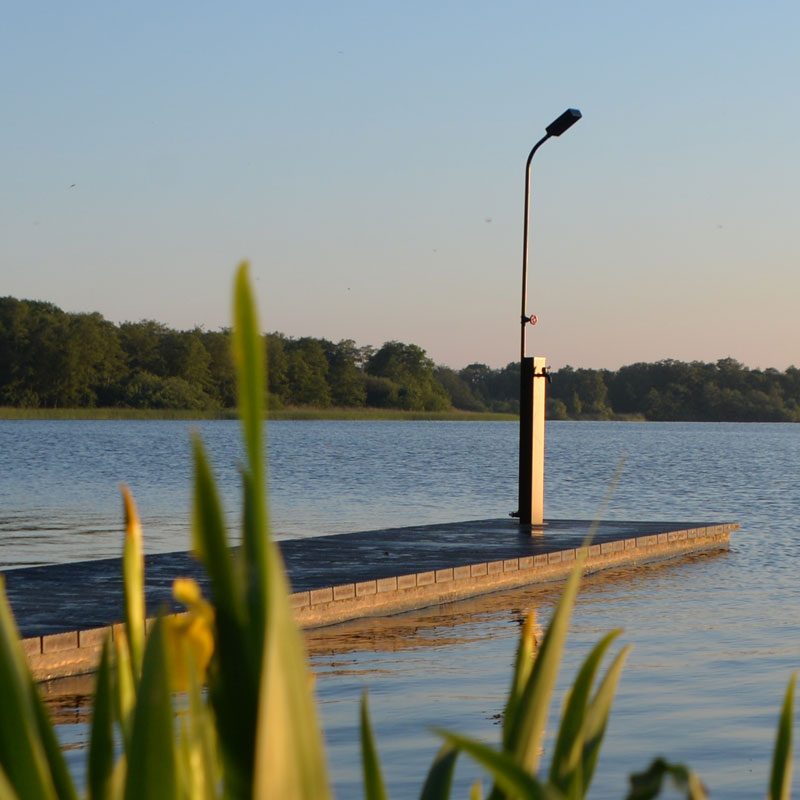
(565, 121)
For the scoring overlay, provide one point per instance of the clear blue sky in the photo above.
(368, 158)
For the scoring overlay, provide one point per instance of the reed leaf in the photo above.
(248, 351)
(596, 718)
(65, 788)
(288, 758)
(780, 784)
(124, 689)
(6, 789)
(101, 743)
(527, 728)
(151, 770)
(133, 575)
(440, 776)
(523, 665)
(648, 784)
(22, 753)
(209, 539)
(511, 778)
(374, 788)
(235, 668)
(202, 762)
(569, 743)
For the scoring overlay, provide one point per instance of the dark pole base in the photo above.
(525, 495)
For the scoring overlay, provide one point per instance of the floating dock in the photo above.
(64, 612)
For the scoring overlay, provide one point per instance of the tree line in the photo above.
(53, 359)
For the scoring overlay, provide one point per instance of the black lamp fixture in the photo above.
(564, 122)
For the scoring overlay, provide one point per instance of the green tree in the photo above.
(221, 367)
(31, 339)
(307, 372)
(458, 390)
(141, 343)
(277, 365)
(346, 380)
(381, 392)
(408, 366)
(145, 390)
(93, 362)
(184, 356)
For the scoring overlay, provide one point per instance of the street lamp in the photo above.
(531, 401)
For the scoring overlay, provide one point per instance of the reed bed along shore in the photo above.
(300, 413)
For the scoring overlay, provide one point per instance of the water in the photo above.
(715, 637)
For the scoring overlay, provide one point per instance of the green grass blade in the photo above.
(208, 535)
(523, 664)
(525, 737)
(440, 776)
(255, 571)
(290, 763)
(248, 346)
(597, 714)
(62, 780)
(569, 743)
(124, 690)
(374, 788)
(648, 784)
(248, 350)
(197, 764)
(6, 789)
(151, 769)
(508, 775)
(22, 753)
(101, 744)
(133, 576)
(235, 667)
(248, 356)
(203, 746)
(780, 784)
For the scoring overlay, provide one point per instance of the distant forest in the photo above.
(53, 359)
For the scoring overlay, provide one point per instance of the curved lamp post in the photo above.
(531, 399)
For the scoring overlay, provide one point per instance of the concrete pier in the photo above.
(64, 612)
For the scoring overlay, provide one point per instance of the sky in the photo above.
(368, 159)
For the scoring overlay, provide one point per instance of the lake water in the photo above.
(715, 637)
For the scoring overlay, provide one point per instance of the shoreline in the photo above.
(280, 414)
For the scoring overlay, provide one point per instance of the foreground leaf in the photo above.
(780, 784)
(288, 758)
(523, 665)
(133, 576)
(648, 784)
(597, 715)
(526, 732)
(101, 745)
(6, 789)
(440, 776)
(568, 752)
(374, 788)
(509, 776)
(22, 754)
(151, 769)
(235, 668)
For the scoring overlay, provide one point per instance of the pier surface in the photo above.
(64, 611)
